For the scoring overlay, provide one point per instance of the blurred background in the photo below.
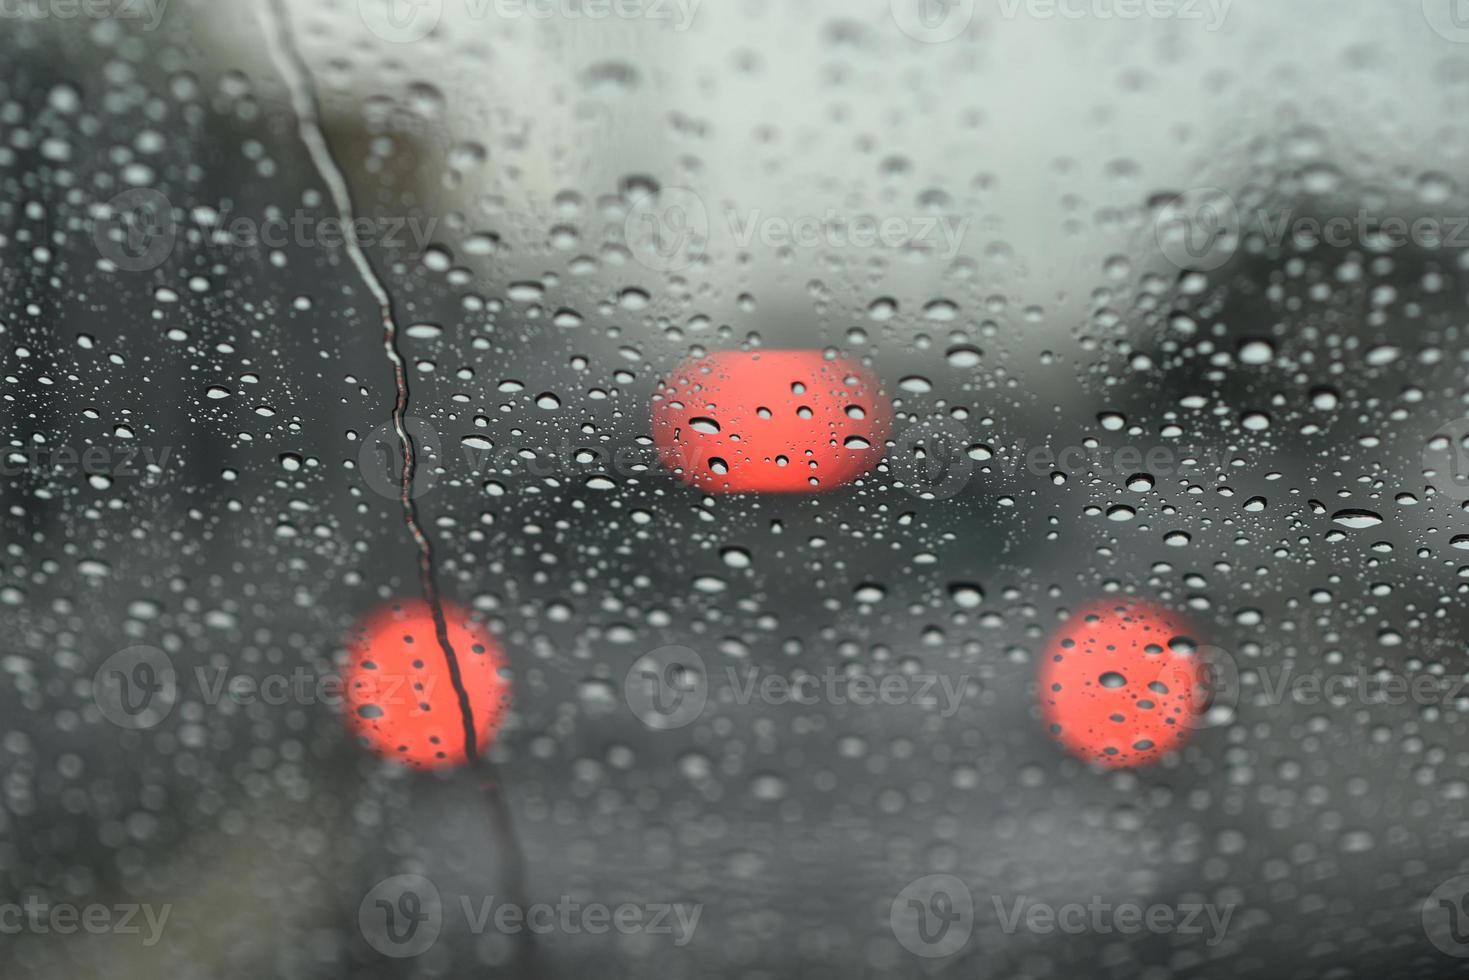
(1229, 238)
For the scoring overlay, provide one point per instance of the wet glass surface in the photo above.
(703, 489)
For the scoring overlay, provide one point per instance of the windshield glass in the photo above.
(685, 488)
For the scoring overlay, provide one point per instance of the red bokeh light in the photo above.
(1121, 683)
(781, 421)
(400, 698)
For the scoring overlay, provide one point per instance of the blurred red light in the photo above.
(1120, 683)
(400, 698)
(784, 421)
